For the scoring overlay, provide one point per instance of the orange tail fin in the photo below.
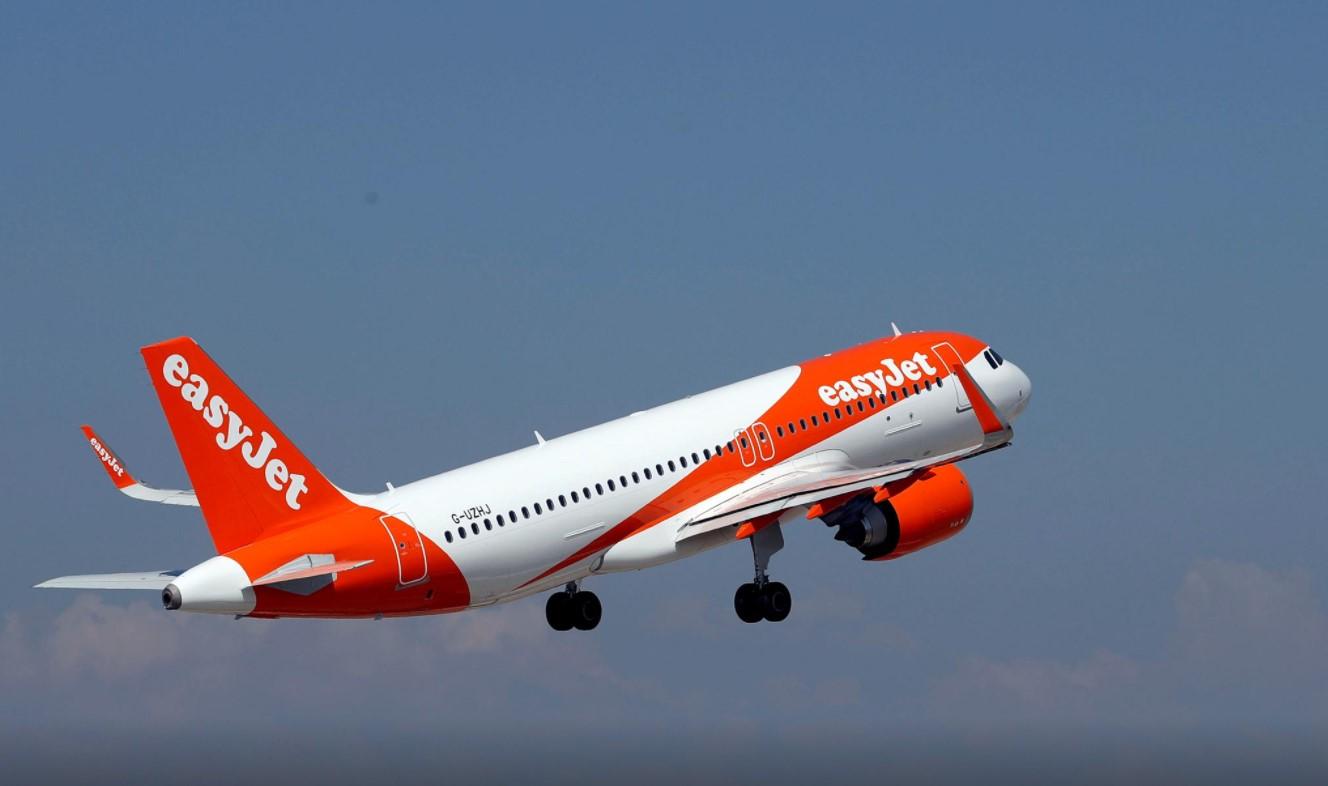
(250, 479)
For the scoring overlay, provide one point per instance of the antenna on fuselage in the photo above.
(895, 328)
(539, 437)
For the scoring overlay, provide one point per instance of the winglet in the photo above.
(128, 484)
(114, 467)
(995, 428)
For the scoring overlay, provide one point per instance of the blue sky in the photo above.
(415, 233)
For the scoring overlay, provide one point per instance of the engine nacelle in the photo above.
(925, 511)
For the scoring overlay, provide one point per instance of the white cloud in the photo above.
(1248, 643)
(1032, 688)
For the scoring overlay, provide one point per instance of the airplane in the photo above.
(865, 440)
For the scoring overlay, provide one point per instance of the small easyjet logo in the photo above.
(107, 457)
(216, 412)
(846, 390)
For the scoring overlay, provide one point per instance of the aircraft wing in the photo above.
(127, 483)
(155, 580)
(808, 482)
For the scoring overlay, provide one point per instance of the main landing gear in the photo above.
(763, 599)
(573, 608)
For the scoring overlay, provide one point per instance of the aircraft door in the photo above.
(746, 446)
(408, 544)
(950, 357)
(765, 446)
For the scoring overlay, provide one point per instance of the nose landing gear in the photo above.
(763, 599)
(573, 608)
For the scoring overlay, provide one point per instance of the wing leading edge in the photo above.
(811, 484)
(154, 580)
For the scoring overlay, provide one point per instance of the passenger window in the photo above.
(537, 509)
(803, 423)
(837, 415)
(695, 459)
(475, 528)
(500, 519)
(462, 533)
(511, 516)
(871, 402)
(916, 388)
(448, 535)
(610, 485)
(562, 500)
(622, 480)
(706, 452)
(672, 467)
(940, 383)
(779, 431)
(488, 524)
(637, 478)
(525, 512)
(575, 498)
(894, 395)
(860, 408)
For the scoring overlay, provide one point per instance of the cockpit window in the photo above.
(991, 360)
(1000, 361)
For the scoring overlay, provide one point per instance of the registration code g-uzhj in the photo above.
(472, 513)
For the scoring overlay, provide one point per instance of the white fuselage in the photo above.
(498, 561)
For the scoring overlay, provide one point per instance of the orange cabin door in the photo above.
(412, 562)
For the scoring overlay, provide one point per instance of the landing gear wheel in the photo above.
(586, 610)
(749, 604)
(558, 611)
(776, 601)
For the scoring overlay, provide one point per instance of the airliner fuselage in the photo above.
(864, 440)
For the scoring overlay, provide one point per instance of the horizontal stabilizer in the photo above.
(155, 580)
(127, 483)
(308, 567)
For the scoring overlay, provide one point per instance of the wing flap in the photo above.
(787, 491)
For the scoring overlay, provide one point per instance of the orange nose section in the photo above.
(407, 573)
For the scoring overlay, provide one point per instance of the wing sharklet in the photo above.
(127, 483)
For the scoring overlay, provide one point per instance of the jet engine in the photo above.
(910, 514)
